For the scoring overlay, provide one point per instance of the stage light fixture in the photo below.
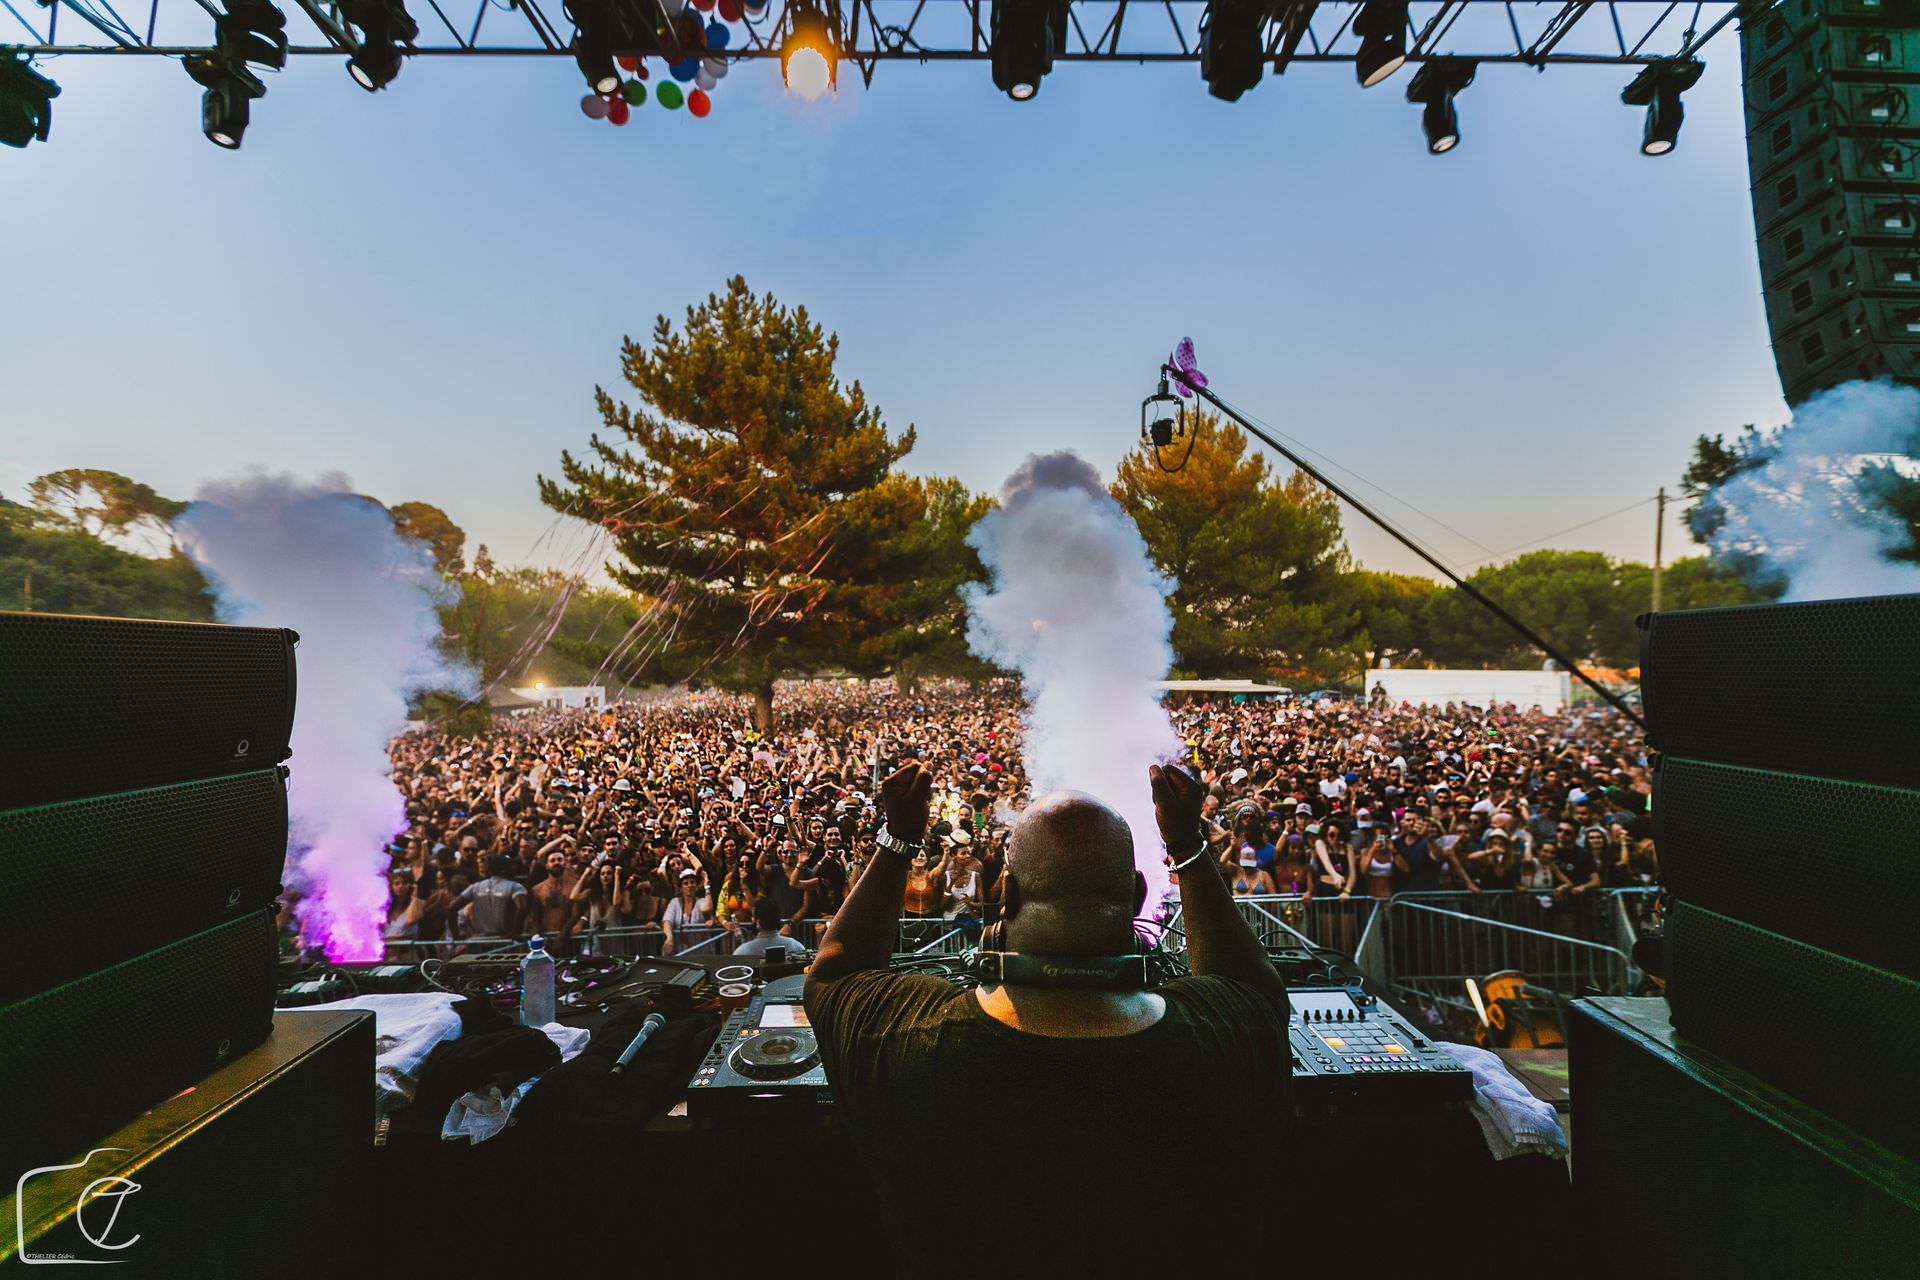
(26, 101)
(808, 62)
(1025, 35)
(1434, 85)
(1658, 88)
(384, 25)
(1233, 52)
(1382, 28)
(596, 62)
(252, 31)
(225, 106)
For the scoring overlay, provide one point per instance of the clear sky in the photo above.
(421, 287)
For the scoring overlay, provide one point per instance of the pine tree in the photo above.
(1259, 562)
(751, 497)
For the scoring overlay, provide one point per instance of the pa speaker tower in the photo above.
(1833, 148)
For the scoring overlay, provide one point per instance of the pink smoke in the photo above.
(325, 561)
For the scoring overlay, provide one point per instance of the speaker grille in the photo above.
(97, 705)
(1825, 688)
(1827, 862)
(96, 881)
(85, 1057)
(1839, 1035)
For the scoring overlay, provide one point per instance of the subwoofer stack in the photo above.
(143, 826)
(1787, 821)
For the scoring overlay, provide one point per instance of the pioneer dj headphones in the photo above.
(991, 962)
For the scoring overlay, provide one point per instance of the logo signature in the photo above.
(241, 747)
(96, 1213)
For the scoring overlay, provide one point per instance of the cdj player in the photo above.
(764, 1064)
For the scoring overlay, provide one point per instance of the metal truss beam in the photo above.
(1620, 33)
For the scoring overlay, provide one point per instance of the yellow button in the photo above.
(1337, 1044)
(1393, 1048)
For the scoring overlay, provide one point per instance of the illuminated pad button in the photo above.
(1393, 1048)
(1335, 1043)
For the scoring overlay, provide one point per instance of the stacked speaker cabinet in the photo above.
(143, 826)
(1833, 148)
(1786, 811)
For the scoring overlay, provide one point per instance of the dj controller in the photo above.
(1351, 1051)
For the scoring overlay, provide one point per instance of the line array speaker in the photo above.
(97, 705)
(1835, 1033)
(96, 881)
(1833, 149)
(88, 1055)
(1823, 687)
(1824, 861)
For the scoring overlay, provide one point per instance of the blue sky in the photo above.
(421, 287)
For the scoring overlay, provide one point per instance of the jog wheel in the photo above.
(776, 1055)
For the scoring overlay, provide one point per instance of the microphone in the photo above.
(653, 1023)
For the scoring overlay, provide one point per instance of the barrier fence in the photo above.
(1420, 944)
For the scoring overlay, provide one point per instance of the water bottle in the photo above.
(536, 985)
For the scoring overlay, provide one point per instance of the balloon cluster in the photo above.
(704, 41)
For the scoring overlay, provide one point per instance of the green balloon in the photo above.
(669, 94)
(635, 92)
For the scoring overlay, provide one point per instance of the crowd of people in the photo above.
(674, 821)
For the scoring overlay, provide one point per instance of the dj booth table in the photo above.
(587, 1187)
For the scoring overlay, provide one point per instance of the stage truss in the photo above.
(1624, 33)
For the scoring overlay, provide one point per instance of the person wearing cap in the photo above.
(687, 913)
(1058, 1075)
(1248, 879)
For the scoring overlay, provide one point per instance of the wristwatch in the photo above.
(889, 841)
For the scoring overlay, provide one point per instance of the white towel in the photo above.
(1512, 1120)
(484, 1113)
(405, 1029)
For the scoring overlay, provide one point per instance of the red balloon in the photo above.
(729, 10)
(618, 110)
(699, 103)
(704, 6)
(642, 71)
(627, 61)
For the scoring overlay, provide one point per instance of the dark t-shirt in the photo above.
(1423, 873)
(1576, 864)
(1053, 1137)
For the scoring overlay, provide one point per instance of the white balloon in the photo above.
(594, 107)
(717, 68)
(704, 78)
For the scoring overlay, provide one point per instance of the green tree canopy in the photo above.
(431, 525)
(751, 495)
(103, 504)
(1259, 562)
(52, 566)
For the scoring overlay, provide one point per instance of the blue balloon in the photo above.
(718, 35)
(685, 70)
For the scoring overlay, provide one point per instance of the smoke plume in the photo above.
(316, 557)
(1813, 512)
(1080, 611)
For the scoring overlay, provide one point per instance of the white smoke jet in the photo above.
(1080, 611)
(1803, 514)
(316, 557)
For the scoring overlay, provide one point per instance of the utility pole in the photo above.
(1659, 530)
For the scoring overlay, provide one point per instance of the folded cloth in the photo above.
(1513, 1121)
(482, 1113)
(406, 1027)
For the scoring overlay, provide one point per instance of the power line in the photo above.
(1572, 528)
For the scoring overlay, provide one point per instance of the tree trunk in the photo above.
(763, 708)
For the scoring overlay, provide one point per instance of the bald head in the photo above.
(1073, 888)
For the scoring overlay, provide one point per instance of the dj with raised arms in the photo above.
(1082, 1117)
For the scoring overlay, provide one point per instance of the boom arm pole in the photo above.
(1492, 606)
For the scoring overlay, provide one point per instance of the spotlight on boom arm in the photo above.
(1162, 418)
(26, 101)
